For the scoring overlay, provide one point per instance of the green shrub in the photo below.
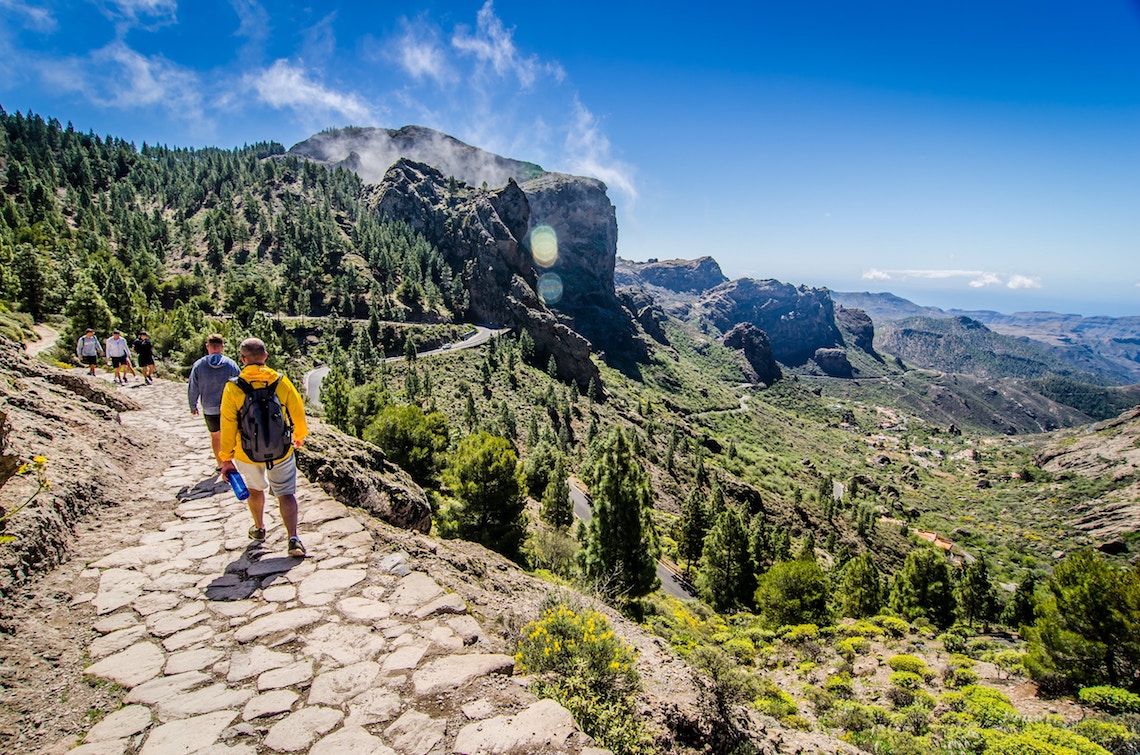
(913, 718)
(892, 625)
(774, 701)
(742, 649)
(840, 685)
(958, 678)
(906, 680)
(988, 706)
(853, 716)
(1111, 700)
(1042, 739)
(952, 642)
(1111, 736)
(851, 647)
(799, 633)
(957, 660)
(911, 663)
(861, 628)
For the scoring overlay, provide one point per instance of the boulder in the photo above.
(754, 346)
(833, 362)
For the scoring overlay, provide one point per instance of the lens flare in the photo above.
(550, 287)
(544, 246)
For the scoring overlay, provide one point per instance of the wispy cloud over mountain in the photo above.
(975, 278)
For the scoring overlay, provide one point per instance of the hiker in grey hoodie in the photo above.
(208, 377)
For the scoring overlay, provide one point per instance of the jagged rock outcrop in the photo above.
(369, 152)
(681, 276)
(585, 223)
(756, 349)
(649, 316)
(356, 473)
(833, 362)
(858, 326)
(797, 319)
(482, 234)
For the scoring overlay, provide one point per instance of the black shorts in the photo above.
(118, 361)
(90, 360)
(146, 361)
(213, 422)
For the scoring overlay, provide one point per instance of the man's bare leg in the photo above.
(256, 503)
(287, 504)
(216, 444)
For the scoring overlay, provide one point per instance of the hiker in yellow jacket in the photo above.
(278, 475)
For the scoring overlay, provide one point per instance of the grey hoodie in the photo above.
(208, 377)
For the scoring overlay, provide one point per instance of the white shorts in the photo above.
(281, 480)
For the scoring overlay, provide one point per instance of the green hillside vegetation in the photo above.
(795, 510)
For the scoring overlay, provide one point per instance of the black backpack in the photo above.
(266, 433)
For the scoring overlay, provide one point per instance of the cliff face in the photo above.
(756, 350)
(680, 276)
(483, 236)
(798, 320)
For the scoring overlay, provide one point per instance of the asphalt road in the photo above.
(481, 335)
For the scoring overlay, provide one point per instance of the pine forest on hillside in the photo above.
(860, 571)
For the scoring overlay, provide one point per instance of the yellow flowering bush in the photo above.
(591, 672)
(37, 466)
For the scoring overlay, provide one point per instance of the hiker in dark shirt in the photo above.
(144, 348)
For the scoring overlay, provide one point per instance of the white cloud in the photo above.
(253, 17)
(287, 85)
(588, 153)
(144, 13)
(422, 56)
(983, 279)
(494, 44)
(1023, 281)
(39, 19)
(975, 278)
(116, 76)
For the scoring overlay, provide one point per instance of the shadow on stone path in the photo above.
(221, 645)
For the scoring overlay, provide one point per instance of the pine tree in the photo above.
(334, 396)
(692, 528)
(977, 597)
(861, 594)
(557, 508)
(484, 476)
(620, 553)
(922, 588)
(725, 579)
(1022, 607)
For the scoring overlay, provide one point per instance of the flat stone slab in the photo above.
(278, 622)
(187, 637)
(324, 585)
(124, 722)
(450, 603)
(187, 735)
(403, 658)
(351, 740)
(413, 591)
(452, 672)
(130, 667)
(298, 730)
(118, 588)
(344, 643)
(545, 726)
(363, 610)
(244, 665)
(271, 565)
(115, 641)
(166, 623)
(110, 747)
(339, 686)
(166, 686)
(192, 660)
(115, 622)
(416, 733)
(372, 706)
(287, 676)
(269, 704)
(206, 700)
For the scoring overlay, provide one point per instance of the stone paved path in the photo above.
(221, 645)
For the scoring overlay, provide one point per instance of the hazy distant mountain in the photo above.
(1107, 346)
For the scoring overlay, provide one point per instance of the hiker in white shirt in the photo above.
(88, 350)
(119, 355)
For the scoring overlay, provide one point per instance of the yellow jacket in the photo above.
(233, 397)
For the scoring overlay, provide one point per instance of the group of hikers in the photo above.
(118, 353)
(255, 416)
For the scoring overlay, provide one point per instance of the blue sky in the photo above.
(968, 154)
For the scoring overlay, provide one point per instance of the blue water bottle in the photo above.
(237, 484)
